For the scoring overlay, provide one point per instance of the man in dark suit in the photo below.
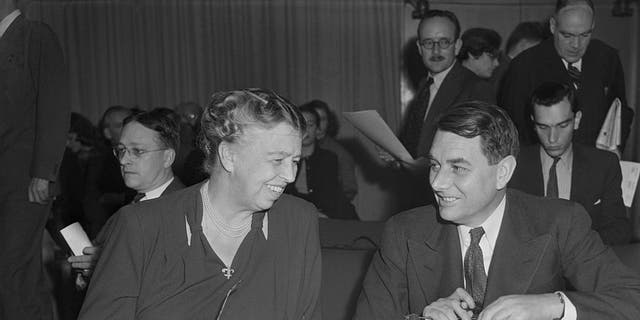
(446, 84)
(510, 251)
(584, 174)
(572, 57)
(34, 116)
(146, 151)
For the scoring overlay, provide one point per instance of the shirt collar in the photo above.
(491, 226)
(439, 77)
(8, 20)
(577, 64)
(157, 192)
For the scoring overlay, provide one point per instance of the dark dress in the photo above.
(148, 270)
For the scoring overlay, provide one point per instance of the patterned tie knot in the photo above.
(429, 81)
(574, 74)
(476, 234)
(138, 197)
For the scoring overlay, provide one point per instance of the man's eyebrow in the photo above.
(458, 161)
(278, 153)
(555, 124)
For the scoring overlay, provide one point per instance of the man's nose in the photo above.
(440, 180)
(553, 135)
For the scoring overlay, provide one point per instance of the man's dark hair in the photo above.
(111, 110)
(163, 121)
(477, 41)
(443, 14)
(550, 93)
(498, 134)
(561, 4)
(333, 126)
(310, 109)
(529, 30)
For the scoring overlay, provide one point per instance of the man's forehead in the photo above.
(437, 27)
(575, 15)
(135, 133)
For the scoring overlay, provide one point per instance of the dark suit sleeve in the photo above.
(604, 287)
(613, 225)
(115, 284)
(384, 290)
(617, 90)
(52, 101)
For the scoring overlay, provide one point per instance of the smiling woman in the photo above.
(214, 249)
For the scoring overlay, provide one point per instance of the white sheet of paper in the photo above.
(76, 238)
(630, 175)
(370, 124)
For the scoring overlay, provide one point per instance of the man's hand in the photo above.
(39, 190)
(456, 306)
(87, 261)
(521, 307)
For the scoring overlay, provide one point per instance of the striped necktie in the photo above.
(138, 197)
(574, 75)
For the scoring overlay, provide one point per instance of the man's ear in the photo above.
(226, 156)
(169, 157)
(106, 133)
(552, 25)
(576, 120)
(506, 167)
(458, 45)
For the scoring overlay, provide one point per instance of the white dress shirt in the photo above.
(563, 171)
(157, 192)
(487, 244)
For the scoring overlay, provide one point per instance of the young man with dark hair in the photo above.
(488, 252)
(559, 168)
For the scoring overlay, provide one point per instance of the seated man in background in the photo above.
(317, 178)
(146, 150)
(480, 51)
(106, 191)
(488, 252)
(326, 137)
(558, 168)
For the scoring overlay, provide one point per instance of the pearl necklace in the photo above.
(216, 220)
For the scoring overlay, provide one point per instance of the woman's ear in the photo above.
(226, 156)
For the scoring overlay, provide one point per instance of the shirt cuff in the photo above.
(570, 312)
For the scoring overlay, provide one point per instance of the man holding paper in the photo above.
(559, 168)
(146, 152)
(447, 83)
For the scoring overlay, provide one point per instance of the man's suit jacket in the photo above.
(34, 103)
(541, 243)
(602, 81)
(458, 86)
(595, 184)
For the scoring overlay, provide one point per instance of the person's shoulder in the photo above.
(292, 208)
(541, 212)
(599, 46)
(167, 204)
(594, 155)
(416, 222)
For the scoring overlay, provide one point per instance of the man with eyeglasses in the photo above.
(571, 56)
(146, 151)
(447, 83)
(559, 168)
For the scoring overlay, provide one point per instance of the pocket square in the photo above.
(597, 202)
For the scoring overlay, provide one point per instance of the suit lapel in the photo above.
(531, 180)
(437, 262)
(579, 174)
(516, 255)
